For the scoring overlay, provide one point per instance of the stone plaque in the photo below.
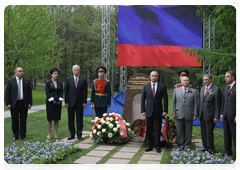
(132, 104)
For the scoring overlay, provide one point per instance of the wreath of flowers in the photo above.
(110, 128)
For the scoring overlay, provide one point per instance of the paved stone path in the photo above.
(123, 155)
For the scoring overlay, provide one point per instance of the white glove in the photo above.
(92, 106)
(50, 99)
(61, 99)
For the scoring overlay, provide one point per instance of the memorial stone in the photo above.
(132, 104)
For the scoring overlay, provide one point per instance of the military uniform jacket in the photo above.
(101, 93)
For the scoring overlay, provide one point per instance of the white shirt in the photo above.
(75, 78)
(21, 81)
(184, 89)
(232, 84)
(208, 87)
(155, 86)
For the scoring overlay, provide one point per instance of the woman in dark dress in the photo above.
(54, 93)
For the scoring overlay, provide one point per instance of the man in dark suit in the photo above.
(184, 110)
(101, 93)
(18, 97)
(209, 112)
(229, 113)
(154, 93)
(75, 101)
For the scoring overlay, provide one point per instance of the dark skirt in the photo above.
(53, 111)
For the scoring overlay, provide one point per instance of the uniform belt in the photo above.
(99, 94)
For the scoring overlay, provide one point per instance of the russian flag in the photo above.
(155, 35)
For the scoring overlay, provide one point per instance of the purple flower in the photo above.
(171, 161)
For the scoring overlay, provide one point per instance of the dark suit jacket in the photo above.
(209, 106)
(11, 92)
(52, 92)
(229, 103)
(154, 105)
(78, 95)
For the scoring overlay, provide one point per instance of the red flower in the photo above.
(168, 127)
(168, 120)
(139, 123)
(135, 132)
(140, 134)
(167, 117)
(163, 117)
(141, 128)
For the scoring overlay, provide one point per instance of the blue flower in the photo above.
(189, 162)
(180, 162)
(29, 161)
(171, 161)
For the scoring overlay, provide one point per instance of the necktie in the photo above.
(185, 91)
(205, 92)
(153, 90)
(19, 89)
(76, 82)
(229, 87)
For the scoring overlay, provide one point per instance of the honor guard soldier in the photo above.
(181, 74)
(101, 93)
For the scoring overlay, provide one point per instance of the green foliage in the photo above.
(29, 39)
(223, 57)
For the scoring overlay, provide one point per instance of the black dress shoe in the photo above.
(23, 138)
(79, 137)
(211, 152)
(158, 150)
(224, 154)
(202, 150)
(148, 149)
(70, 137)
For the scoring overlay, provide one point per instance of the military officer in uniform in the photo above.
(101, 93)
(181, 74)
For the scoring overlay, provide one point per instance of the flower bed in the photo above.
(38, 152)
(194, 157)
(111, 128)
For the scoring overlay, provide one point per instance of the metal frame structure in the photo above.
(123, 79)
(208, 42)
(106, 39)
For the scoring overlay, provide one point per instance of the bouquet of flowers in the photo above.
(141, 129)
(110, 128)
(170, 130)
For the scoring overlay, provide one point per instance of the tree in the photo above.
(29, 40)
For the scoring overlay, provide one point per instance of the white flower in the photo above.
(103, 130)
(115, 129)
(94, 131)
(90, 135)
(99, 126)
(92, 121)
(110, 135)
(121, 133)
(111, 119)
(98, 133)
(105, 114)
(117, 122)
(116, 118)
(107, 118)
(124, 121)
(103, 122)
(127, 124)
(107, 123)
(110, 114)
(110, 125)
(129, 129)
(118, 125)
(96, 118)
